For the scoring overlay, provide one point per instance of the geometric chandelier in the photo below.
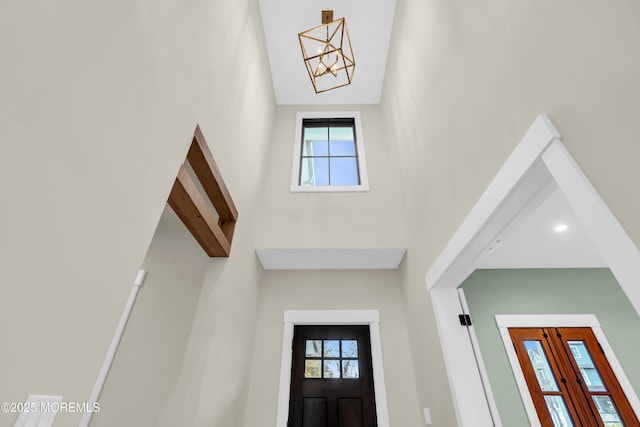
(327, 53)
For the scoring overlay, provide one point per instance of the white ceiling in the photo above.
(369, 24)
(331, 259)
(534, 243)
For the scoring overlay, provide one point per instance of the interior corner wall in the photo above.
(216, 375)
(332, 290)
(99, 105)
(547, 291)
(463, 84)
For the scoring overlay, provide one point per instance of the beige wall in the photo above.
(370, 219)
(151, 353)
(331, 220)
(464, 82)
(331, 290)
(99, 102)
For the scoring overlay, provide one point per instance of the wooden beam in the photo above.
(187, 202)
(207, 172)
(228, 227)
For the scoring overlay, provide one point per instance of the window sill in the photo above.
(331, 189)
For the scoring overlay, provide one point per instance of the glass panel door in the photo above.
(569, 378)
(595, 377)
(545, 378)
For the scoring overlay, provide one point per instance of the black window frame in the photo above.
(339, 358)
(330, 122)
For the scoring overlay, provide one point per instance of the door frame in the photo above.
(332, 317)
(537, 162)
(506, 321)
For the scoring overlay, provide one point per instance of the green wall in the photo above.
(547, 291)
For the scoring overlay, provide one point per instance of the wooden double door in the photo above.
(570, 380)
(332, 377)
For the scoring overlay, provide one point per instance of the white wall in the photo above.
(99, 103)
(464, 82)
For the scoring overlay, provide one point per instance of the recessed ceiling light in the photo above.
(560, 228)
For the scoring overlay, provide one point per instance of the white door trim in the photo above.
(484, 375)
(538, 160)
(505, 322)
(332, 317)
(463, 373)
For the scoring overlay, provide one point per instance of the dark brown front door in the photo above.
(332, 377)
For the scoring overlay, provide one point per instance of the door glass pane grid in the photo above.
(590, 375)
(553, 397)
(329, 156)
(331, 359)
(607, 411)
(540, 365)
(558, 411)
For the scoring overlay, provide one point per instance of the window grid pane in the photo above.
(312, 369)
(331, 348)
(350, 368)
(313, 348)
(343, 171)
(314, 171)
(315, 148)
(344, 133)
(342, 148)
(331, 368)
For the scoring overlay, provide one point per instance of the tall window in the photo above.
(329, 153)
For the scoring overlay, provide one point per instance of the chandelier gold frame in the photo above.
(327, 53)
